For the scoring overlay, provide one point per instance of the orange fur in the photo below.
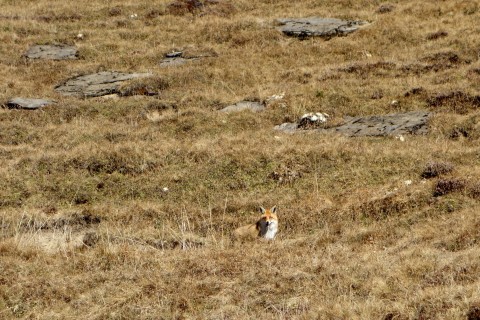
(266, 227)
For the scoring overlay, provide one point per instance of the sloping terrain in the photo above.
(122, 206)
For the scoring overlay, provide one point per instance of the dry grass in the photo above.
(123, 208)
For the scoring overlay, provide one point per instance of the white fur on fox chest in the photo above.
(268, 230)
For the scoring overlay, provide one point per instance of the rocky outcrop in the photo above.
(97, 84)
(317, 27)
(52, 52)
(27, 103)
(415, 122)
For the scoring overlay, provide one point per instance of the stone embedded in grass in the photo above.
(415, 122)
(28, 103)
(178, 58)
(317, 27)
(52, 52)
(288, 127)
(175, 61)
(97, 84)
(254, 106)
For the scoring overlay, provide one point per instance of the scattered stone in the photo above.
(275, 98)
(287, 127)
(52, 52)
(254, 106)
(175, 61)
(174, 54)
(97, 84)
(317, 27)
(394, 124)
(394, 103)
(28, 103)
(177, 58)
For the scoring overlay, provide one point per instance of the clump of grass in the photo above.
(448, 185)
(474, 190)
(456, 101)
(146, 86)
(200, 7)
(473, 313)
(434, 169)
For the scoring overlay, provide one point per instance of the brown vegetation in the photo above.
(123, 207)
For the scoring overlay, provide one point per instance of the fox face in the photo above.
(266, 227)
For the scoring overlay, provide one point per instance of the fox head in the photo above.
(268, 224)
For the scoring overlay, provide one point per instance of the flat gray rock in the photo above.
(52, 52)
(415, 122)
(317, 27)
(254, 106)
(175, 61)
(96, 84)
(287, 127)
(178, 58)
(27, 103)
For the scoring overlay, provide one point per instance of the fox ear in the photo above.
(262, 210)
(274, 209)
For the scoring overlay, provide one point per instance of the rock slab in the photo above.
(317, 27)
(52, 52)
(254, 106)
(415, 122)
(178, 58)
(28, 103)
(96, 84)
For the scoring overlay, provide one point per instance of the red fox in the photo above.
(266, 227)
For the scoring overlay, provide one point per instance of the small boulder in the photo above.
(398, 124)
(52, 52)
(28, 103)
(178, 58)
(97, 84)
(317, 27)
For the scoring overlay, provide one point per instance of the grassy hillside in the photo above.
(123, 208)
